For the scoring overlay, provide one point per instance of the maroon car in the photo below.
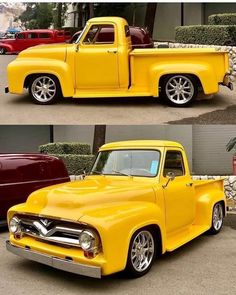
(21, 174)
(140, 37)
(26, 39)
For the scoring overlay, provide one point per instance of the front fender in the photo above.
(23, 67)
(8, 47)
(117, 223)
(203, 71)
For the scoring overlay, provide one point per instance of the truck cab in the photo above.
(138, 201)
(97, 67)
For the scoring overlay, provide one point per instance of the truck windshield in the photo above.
(127, 163)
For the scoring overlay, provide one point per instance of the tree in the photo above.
(150, 16)
(37, 15)
(99, 137)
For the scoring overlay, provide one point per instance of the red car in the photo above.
(21, 174)
(140, 37)
(26, 39)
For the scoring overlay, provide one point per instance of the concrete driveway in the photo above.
(204, 266)
(18, 109)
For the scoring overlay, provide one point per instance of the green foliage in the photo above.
(65, 148)
(37, 15)
(222, 19)
(76, 164)
(206, 34)
(112, 9)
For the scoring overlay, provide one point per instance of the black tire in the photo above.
(48, 95)
(2, 51)
(168, 85)
(130, 270)
(216, 228)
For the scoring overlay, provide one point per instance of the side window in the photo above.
(20, 36)
(100, 34)
(32, 36)
(174, 163)
(44, 35)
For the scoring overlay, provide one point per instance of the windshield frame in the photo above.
(128, 149)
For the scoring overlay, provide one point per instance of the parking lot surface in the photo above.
(204, 266)
(18, 109)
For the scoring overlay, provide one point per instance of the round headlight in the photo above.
(14, 225)
(86, 240)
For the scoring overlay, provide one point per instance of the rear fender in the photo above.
(205, 204)
(204, 72)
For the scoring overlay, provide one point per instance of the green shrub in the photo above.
(206, 34)
(65, 148)
(76, 164)
(222, 19)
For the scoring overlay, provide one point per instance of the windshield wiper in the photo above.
(121, 173)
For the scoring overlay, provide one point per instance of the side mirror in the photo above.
(170, 177)
(77, 47)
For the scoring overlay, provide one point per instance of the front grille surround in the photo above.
(56, 231)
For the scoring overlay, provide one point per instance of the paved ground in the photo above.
(204, 266)
(18, 109)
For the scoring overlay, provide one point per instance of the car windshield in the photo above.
(127, 163)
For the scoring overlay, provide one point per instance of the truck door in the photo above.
(179, 194)
(96, 59)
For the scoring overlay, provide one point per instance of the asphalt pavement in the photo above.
(18, 109)
(204, 266)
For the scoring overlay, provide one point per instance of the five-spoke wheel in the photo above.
(44, 89)
(142, 252)
(179, 90)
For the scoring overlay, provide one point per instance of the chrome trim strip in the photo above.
(77, 268)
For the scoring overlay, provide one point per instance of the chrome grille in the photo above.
(55, 231)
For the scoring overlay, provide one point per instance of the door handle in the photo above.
(111, 51)
(189, 184)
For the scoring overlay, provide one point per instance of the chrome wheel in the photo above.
(2, 50)
(179, 89)
(142, 251)
(43, 89)
(217, 219)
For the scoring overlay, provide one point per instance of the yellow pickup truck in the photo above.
(108, 67)
(138, 201)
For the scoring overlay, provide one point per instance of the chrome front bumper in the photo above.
(67, 265)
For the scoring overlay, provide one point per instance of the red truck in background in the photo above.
(21, 174)
(29, 38)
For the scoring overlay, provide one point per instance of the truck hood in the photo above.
(73, 199)
(50, 51)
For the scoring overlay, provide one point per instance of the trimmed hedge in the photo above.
(222, 19)
(65, 148)
(75, 164)
(206, 34)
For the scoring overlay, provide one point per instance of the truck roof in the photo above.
(140, 143)
(116, 19)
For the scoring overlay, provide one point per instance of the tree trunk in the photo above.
(59, 13)
(80, 15)
(150, 17)
(91, 10)
(99, 137)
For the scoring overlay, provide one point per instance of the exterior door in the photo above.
(96, 64)
(179, 194)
